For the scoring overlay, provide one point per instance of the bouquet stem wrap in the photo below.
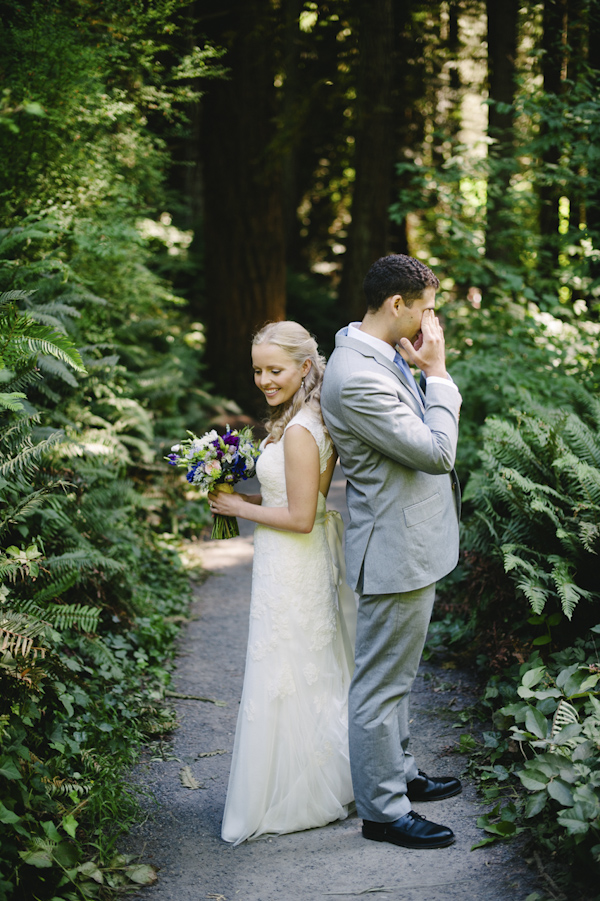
(224, 526)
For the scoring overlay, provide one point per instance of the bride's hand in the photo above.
(223, 503)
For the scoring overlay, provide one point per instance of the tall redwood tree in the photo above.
(243, 198)
(368, 232)
(502, 37)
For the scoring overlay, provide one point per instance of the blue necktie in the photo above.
(405, 368)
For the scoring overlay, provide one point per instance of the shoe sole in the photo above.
(415, 846)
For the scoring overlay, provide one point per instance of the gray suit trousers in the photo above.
(390, 636)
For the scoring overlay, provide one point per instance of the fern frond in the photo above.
(25, 506)
(28, 459)
(568, 591)
(589, 535)
(69, 615)
(52, 366)
(582, 440)
(52, 344)
(24, 378)
(18, 632)
(54, 308)
(564, 716)
(535, 594)
(101, 654)
(58, 787)
(12, 401)
(83, 561)
(10, 297)
(46, 319)
(23, 671)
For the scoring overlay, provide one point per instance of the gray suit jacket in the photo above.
(397, 452)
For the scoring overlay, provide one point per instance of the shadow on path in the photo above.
(182, 834)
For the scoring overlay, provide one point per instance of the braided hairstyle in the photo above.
(300, 345)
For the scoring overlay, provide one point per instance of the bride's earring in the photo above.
(302, 384)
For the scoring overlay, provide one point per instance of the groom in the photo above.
(397, 446)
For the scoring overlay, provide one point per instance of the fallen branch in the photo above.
(177, 694)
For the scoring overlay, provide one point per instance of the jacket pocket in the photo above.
(423, 511)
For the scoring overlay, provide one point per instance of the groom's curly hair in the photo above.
(397, 274)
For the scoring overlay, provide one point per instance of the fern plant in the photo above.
(536, 503)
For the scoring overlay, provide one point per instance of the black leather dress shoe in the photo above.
(427, 788)
(410, 831)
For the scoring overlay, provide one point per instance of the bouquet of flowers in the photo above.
(217, 462)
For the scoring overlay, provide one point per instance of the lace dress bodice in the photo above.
(270, 467)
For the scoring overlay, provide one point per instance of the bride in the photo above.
(290, 767)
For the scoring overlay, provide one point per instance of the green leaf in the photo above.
(67, 854)
(574, 821)
(490, 840)
(8, 816)
(70, 824)
(573, 685)
(536, 722)
(567, 733)
(40, 859)
(587, 801)
(141, 874)
(92, 871)
(584, 750)
(532, 779)
(52, 832)
(560, 792)
(9, 769)
(533, 676)
(535, 804)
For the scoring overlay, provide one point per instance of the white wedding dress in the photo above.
(290, 768)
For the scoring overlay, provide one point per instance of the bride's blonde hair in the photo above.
(300, 345)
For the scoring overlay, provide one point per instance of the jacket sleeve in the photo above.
(374, 411)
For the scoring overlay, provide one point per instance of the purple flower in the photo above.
(173, 458)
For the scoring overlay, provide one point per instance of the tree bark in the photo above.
(243, 227)
(502, 50)
(554, 63)
(368, 232)
(593, 180)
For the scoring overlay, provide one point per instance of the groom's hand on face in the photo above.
(429, 350)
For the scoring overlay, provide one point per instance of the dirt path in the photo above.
(182, 834)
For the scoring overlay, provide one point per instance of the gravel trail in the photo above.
(181, 836)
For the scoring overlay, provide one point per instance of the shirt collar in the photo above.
(382, 346)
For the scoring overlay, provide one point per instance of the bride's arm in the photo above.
(302, 483)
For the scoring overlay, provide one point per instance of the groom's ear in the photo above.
(397, 301)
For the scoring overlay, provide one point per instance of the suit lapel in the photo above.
(361, 347)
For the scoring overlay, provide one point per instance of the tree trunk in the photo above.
(368, 232)
(502, 51)
(291, 10)
(577, 52)
(593, 180)
(243, 227)
(554, 63)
